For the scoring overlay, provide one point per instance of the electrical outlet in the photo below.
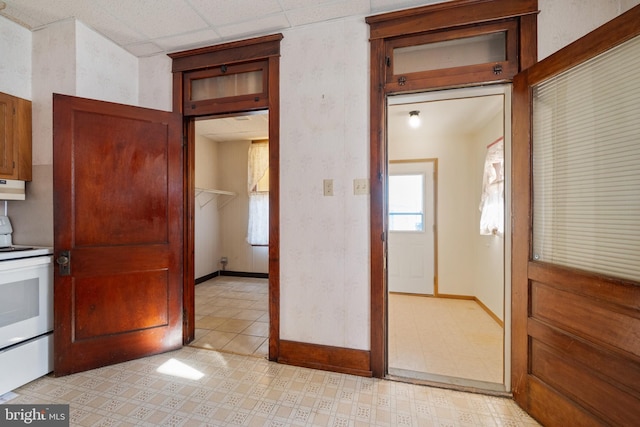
(360, 186)
(328, 187)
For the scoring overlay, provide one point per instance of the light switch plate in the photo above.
(328, 187)
(360, 186)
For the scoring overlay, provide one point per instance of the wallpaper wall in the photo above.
(15, 62)
(324, 242)
(103, 70)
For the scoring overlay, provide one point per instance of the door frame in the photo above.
(504, 89)
(265, 49)
(440, 17)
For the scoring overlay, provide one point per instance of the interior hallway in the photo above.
(197, 387)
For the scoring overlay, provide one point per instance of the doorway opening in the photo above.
(448, 262)
(231, 223)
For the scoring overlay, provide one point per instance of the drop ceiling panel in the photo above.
(325, 12)
(189, 41)
(240, 128)
(266, 25)
(158, 18)
(223, 12)
(146, 27)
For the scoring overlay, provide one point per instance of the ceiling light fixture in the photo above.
(414, 119)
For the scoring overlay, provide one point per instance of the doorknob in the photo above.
(64, 263)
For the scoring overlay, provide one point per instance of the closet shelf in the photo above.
(216, 193)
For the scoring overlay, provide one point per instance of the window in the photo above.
(258, 188)
(492, 200)
(586, 165)
(406, 202)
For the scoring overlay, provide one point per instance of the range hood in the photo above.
(11, 189)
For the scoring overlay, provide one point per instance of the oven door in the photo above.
(26, 299)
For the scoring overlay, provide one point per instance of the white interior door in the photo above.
(411, 248)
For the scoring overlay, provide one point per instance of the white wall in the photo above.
(208, 236)
(455, 203)
(488, 282)
(561, 22)
(155, 83)
(15, 65)
(104, 71)
(221, 221)
(233, 165)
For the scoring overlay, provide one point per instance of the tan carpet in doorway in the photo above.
(441, 336)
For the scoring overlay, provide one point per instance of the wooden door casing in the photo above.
(260, 49)
(450, 15)
(118, 212)
(576, 353)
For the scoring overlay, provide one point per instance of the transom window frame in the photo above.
(490, 72)
(249, 101)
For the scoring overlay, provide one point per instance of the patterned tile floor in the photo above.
(232, 315)
(198, 387)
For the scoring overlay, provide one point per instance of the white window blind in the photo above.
(586, 165)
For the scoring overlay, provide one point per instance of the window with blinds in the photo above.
(586, 165)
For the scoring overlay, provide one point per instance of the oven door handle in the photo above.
(64, 263)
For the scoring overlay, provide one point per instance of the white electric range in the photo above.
(26, 311)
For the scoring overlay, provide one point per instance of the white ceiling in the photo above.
(248, 127)
(149, 27)
(462, 116)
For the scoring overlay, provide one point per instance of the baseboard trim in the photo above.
(244, 274)
(480, 303)
(207, 277)
(326, 358)
(231, 273)
(490, 313)
(466, 297)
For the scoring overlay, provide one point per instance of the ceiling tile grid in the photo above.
(149, 27)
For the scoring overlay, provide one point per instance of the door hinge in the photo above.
(382, 236)
(380, 176)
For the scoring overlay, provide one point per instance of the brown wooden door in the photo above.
(118, 212)
(576, 330)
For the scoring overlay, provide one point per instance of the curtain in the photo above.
(258, 228)
(492, 200)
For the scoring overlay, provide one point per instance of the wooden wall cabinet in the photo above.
(15, 138)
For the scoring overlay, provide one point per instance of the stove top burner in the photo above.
(15, 248)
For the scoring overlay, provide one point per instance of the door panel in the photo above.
(118, 211)
(576, 352)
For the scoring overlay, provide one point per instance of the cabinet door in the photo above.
(7, 147)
